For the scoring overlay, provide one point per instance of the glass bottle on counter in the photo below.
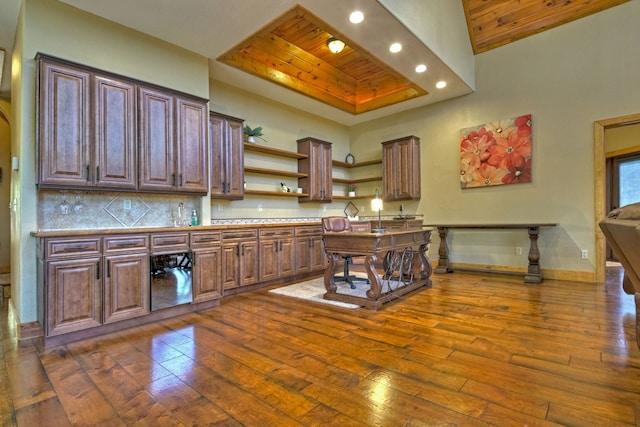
(194, 217)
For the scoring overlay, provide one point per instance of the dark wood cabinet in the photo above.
(207, 266)
(227, 156)
(239, 258)
(72, 285)
(115, 144)
(317, 166)
(401, 168)
(310, 256)
(126, 277)
(102, 131)
(63, 125)
(277, 253)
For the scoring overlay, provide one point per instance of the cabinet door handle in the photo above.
(173, 179)
(88, 171)
(98, 270)
(97, 173)
(238, 251)
(180, 180)
(108, 268)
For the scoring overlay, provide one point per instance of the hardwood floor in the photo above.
(473, 350)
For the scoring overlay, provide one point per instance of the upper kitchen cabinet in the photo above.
(173, 149)
(103, 131)
(317, 166)
(64, 125)
(401, 168)
(87, 128)
(227, 156)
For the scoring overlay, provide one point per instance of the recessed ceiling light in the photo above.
(356, 17)
(441, 84)
(395, 48)
(421, 68)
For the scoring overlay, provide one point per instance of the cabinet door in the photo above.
(303, 255)
(115, 157)
(63, 125)
(401, 168)
(207, 277)
(234, 160)
(227, 157)
(318, 167)
(191, 146)
(286, 257)
(317, 255)
(248, 263)
(74, 298)
(126, 286)
(230, 266)
(156, 141)
(268, 260)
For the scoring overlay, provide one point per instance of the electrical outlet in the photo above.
(260, 207)
(518, 250)
(584, 254)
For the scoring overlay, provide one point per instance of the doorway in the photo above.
(600, 185)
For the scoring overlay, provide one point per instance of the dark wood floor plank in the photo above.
(473, 350)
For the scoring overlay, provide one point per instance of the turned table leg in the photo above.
(534, 274)
(443, 252)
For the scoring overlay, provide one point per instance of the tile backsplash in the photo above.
(62, 210)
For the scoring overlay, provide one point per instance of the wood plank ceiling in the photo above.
(494, 23)
(292, 50)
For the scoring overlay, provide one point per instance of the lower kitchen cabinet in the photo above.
(239, 258)
(277, 253)
(74, 295)
(207, 275)
(126, 286)
(310, 256)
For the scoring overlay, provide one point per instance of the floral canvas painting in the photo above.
(496, 153)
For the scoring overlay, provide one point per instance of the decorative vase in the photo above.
(352, 194)
(251, 139)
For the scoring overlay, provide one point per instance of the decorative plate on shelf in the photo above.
(350, 159)
(351, 210)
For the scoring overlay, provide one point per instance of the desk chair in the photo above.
(340, 224)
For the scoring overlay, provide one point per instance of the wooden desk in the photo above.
(533, 275)
(401, 256)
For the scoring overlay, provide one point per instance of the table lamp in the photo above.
(376, 205)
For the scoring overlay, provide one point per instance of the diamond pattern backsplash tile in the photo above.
(127, 210)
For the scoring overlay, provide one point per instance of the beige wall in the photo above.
(567, 78)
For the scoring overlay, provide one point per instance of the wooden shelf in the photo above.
(273, 151)
(276, 172)
(365, 196)
(273, 193)
(356, 181)
(340, 164)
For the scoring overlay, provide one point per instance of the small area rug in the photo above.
(313, 290)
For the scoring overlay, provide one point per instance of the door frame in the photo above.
(600, 184)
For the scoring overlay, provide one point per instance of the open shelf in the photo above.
(340, 164)
(274, 193)
(364, 196)
(277, 172)
(356, 181)
(248, 146)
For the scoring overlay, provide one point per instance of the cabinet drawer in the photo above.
(266, 233)
(169, 242)
(126, 243)
(60, 248)
(205, 239)
(309, 230)
(248, 234)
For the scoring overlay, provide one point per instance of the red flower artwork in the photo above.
(496, 153)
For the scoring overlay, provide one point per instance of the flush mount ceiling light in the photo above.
(356, 17)
(421, 68)
(441, 84)
(395, 48)
(335, 45)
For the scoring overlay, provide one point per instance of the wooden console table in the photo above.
(401, 254)
(533, 275)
